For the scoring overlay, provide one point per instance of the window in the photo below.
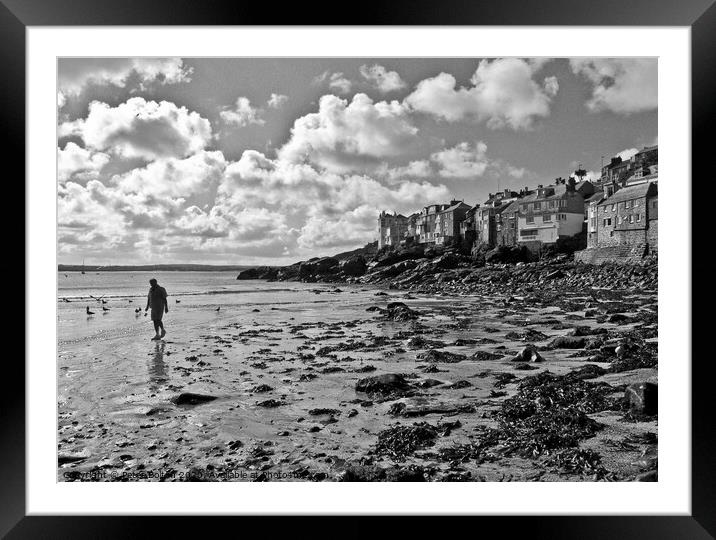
(524, 208)
(530, 219)
(609, 222)
(631, 218)
(638, 217)
(536, 206)
(546, 218)
(614, 208)
(636, 203)
(627, 204)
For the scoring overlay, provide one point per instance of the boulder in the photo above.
(190, 398)
(642, 398)
(528, 353)
(397, 311)
(384, 385)
(355, 266)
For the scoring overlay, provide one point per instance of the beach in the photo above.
(292, 381)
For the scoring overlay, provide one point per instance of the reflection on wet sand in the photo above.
(157, 367)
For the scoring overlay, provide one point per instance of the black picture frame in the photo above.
(699, 15)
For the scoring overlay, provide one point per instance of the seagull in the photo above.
(105, 309)
(89, 312)
(98, 299)
(104, 301)
(130, 300)
(65, 300)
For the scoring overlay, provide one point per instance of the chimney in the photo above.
(570, 184)
(539, 186)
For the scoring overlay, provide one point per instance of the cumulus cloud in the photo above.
(329, 209)
(277, 100)
(382, 79)
(345, 136)
(75, 74)
(415, 169)
(243, 114)
(141, 129)
(335, 81)
(79, 164)
(626, 154)
(620, 85)
(462, 161)
(503, 93)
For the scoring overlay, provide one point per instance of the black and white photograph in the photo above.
(339, 269)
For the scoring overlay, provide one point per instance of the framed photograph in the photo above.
(407, 266)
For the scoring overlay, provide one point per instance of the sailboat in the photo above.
(83, 266)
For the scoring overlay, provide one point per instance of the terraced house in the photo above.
(391, 229)
(624, 218)
(551, 212)
(447, 222)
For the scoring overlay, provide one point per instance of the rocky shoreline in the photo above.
(435, 270)
(447, 370)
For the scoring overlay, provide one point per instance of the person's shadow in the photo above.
(157, 367)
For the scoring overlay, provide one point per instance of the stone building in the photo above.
(623, 218)
(467, 227)
(391, 229)
(447, 222)
(486, 216)
(593, 218)
(506, 224)
(425, 223)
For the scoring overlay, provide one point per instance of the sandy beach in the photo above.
(286, 382)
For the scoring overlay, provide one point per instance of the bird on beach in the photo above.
(138, 310)
(217, 309)
(104, 301)
(177, 301)
(130, 300)
(89, 312)
(65, 300)
(105, 309)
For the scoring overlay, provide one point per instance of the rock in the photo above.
(444, 357)
(447, 261)
(484, 355)
(642, 398)
(189, 398)
(355, 266)
(384, 385)
(250, 273)
(528, 354)
(650, 476)
(568, 342)
(72, 457)
(398, 311)
(261, 388)
(618, 318)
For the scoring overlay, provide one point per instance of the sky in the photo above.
(276, 160)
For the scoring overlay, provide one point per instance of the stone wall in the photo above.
(652, 236)
(624, 253)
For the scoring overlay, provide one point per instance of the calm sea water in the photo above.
(193, 300)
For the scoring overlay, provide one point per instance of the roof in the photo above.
(559, 192)
(631, 192)
(598, 196)
(456, 206)
(514, 206)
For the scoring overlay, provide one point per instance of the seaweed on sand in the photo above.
(401, 441)
(548, 413)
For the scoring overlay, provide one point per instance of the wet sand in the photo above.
(280, 384)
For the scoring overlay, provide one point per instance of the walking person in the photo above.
(157, 300)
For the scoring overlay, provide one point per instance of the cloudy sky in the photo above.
(270, 161)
